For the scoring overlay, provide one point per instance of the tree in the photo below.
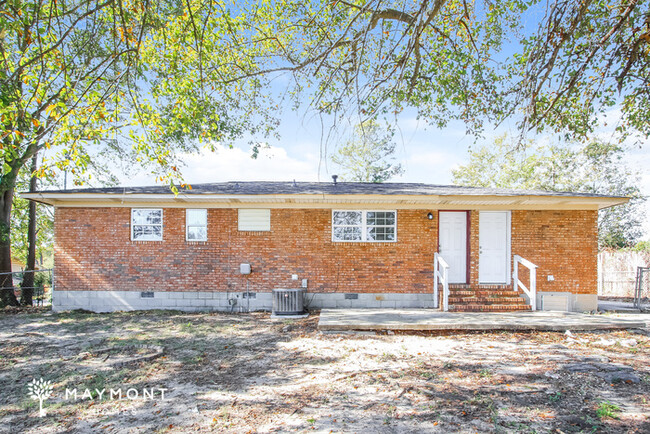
(63, 64)
(366, 157)
(27, 284)
(84, 80)
(477, 61)
(593, 168)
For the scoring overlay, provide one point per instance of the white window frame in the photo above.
(187, 224)
(364, 225)
(162, 216)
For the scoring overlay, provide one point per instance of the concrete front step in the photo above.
(488, 307)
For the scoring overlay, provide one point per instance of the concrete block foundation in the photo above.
(193, 301)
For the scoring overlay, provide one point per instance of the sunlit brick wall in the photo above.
(93, 251)
(563, 244)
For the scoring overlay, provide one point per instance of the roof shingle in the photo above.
(327, 188)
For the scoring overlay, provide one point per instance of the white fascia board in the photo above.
(282, 200)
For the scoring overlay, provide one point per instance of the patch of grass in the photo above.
(487, 403)
(555, 397)
(222, 419)
(646, 379)
(388, 357)
(390, 414)
(485, 373)
(607, 410)
(595, 425)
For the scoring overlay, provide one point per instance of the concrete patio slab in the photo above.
(617, 306)
(428, 319)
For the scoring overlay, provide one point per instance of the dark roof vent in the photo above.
(334, 177)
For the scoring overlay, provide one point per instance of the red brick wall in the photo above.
(561, 243)
(93, 251)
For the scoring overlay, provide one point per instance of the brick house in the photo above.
(349, 244)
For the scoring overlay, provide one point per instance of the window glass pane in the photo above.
(352, 233)
(137, 232)
(154, 217)
(346, 218)
(146, 224)
(197, 233)
(347, 234)
(370, 226)
(156, 232)
(380, 218)
(196, 217)
(146, 216)
(138, 216)
(381, 234)
(147, 233)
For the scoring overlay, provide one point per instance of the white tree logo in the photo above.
(40, 390)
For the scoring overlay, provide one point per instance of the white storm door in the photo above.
(494, 247)
(453, 243)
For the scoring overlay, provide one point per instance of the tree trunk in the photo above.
(7, 295)
(27, 292)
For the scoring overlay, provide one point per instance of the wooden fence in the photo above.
(617, 272)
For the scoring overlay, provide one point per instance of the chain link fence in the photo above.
(41, 287)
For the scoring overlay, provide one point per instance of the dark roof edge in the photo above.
(327, 188)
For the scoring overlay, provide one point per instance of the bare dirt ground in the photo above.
(246, 373)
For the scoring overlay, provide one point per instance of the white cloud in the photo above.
(431, 167)
(236, 164)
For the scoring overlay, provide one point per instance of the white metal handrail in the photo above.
(532, 292)
(442, 277)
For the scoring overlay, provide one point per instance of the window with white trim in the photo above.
(196, 224)
(364, 226)
(146, 224)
